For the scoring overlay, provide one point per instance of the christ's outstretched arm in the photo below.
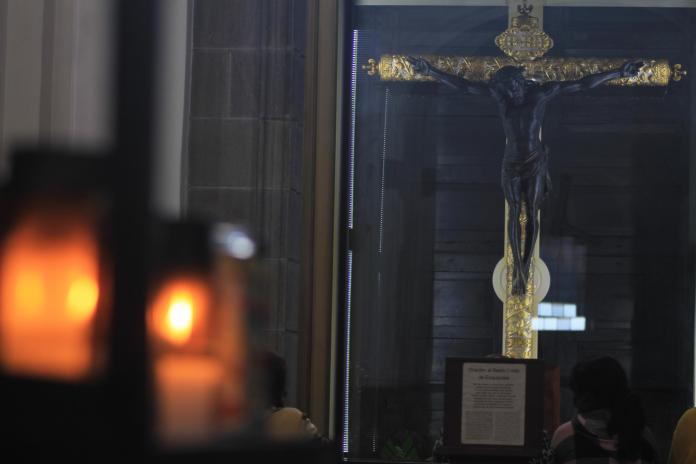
(421, 66)
(629, 69)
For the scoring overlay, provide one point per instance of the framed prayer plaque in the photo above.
(494, 407)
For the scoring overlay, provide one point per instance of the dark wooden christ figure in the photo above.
(525, 173)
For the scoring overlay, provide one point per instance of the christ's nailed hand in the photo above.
(631, 68)
(419, 65)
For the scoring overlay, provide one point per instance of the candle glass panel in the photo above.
(197, 328)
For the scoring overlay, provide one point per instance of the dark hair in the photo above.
(274, 370)
(601, 383)
(507, 73)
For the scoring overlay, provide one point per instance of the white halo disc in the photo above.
(542, 280)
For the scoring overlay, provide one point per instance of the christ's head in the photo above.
(509, 80)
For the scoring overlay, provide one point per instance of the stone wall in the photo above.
(245, 140)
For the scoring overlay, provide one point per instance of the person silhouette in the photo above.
(610, 423)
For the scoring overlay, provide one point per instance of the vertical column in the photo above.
(131, 178)
(55, 72)
(170, 93)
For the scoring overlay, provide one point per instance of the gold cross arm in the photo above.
(656, 72)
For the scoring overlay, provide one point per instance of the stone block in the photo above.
(292, 297)
(276, 149)
(236, 205)
(277, 86)
(222, 153)
(210, 83)
(245, 85)
(277, 23)
(294, 174)
(226, 23)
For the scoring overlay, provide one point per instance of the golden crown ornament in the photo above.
(524, 40)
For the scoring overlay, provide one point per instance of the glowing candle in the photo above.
(49, 296)
(188, 380)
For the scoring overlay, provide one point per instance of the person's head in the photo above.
(274, 371)
(509, 80)
(601, 383)
(598, 384)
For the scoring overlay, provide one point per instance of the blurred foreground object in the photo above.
(683, 449)
(282, 423)
(198, 330)
(291, 424)
(56, 302)
(54, 280)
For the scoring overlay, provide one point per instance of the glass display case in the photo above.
(424, 220)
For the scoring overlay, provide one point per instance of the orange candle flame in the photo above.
(179, 310)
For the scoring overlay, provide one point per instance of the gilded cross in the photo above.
(525, 43)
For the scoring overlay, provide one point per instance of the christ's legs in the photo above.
(535, 190)
(512, 188)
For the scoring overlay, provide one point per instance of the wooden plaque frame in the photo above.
(534, 412)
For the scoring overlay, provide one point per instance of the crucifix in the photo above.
(522, 85)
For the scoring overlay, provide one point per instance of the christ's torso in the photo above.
(522, 125)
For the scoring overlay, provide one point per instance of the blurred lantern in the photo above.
(197, 327)
(53, 278)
